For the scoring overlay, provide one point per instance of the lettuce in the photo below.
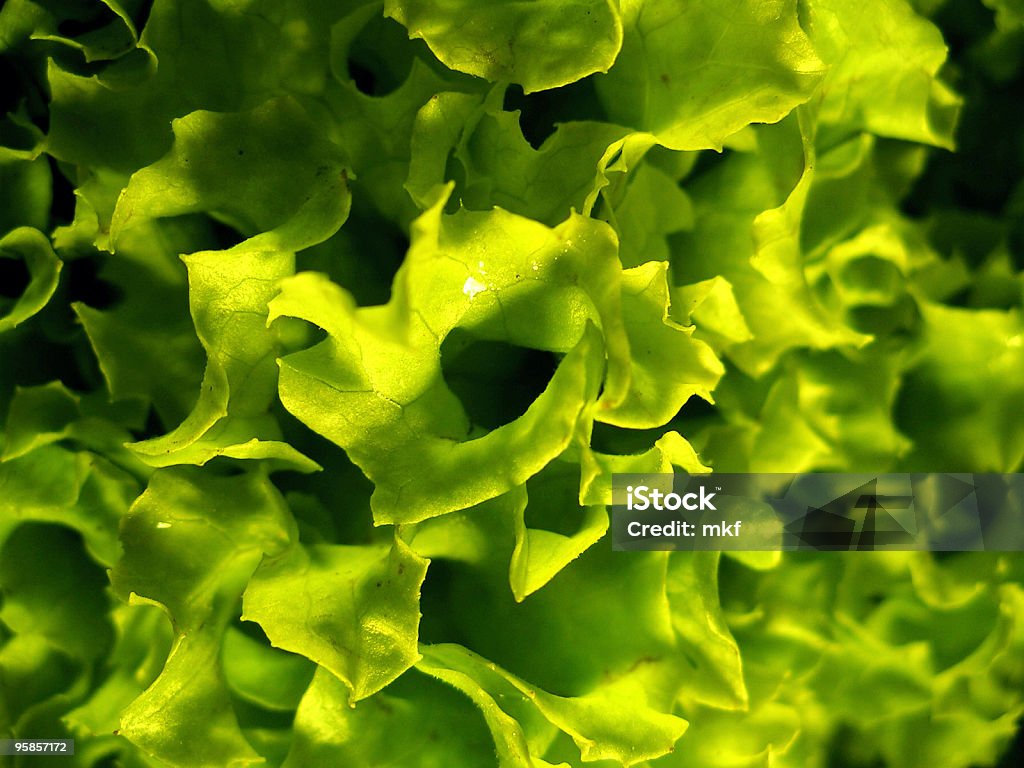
(324, 327)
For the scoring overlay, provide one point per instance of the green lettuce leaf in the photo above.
(543, 45)
(25, 190)
(694, 75)
(374, 386)
(361, 609)
(229, 290)
(883, 61)
(171, 560)
(32, 248)
(669, 366)
(964, 372)
(594, 721)
(414, 720)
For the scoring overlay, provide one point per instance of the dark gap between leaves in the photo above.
(495, 381)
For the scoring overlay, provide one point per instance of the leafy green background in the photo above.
(324, 325)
